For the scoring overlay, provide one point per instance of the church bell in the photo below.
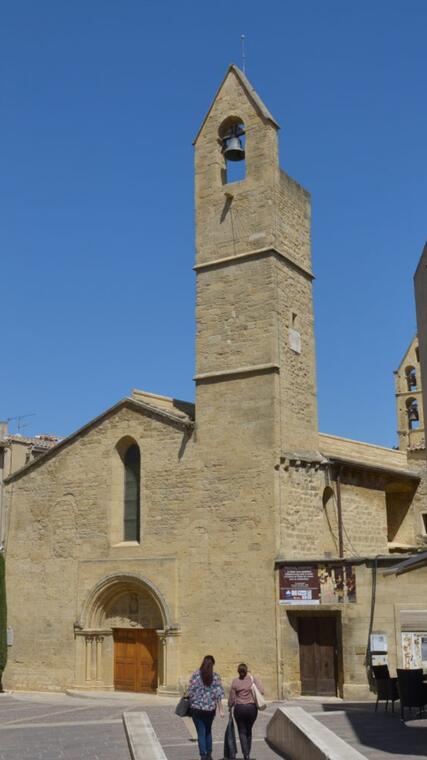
(233, 149)
(413, 415)
(232, 146)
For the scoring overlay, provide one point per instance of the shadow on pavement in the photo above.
(381, 731)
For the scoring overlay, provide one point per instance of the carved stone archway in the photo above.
(123, 600)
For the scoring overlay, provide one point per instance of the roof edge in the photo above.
(177, 420)
(402, 361)
(360, 464)
(251, 93)
(406, 565)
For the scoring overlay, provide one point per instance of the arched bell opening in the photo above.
(122, 636)
(232, 137)
(413, 414)
(411, 378)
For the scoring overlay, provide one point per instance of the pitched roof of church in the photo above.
(172, 411)
(251, 93)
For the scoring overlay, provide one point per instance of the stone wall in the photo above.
(60, 542)
(393, 594)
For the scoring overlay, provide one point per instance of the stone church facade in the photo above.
(163, 530)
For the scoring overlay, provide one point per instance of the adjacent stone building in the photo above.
(163, 530)
(17, 450)
(420, 281)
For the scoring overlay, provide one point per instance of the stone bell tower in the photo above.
(254, 280)
(255, 367)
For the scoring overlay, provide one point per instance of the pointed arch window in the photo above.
(132, 477)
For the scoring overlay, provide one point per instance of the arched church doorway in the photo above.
(134, 616)
(123, 636)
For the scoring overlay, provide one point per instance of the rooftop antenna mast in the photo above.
(19, 424)
(242, 40)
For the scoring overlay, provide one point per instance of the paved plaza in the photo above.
(60, 727)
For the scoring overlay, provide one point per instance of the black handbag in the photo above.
(230, 745)
(183, 707)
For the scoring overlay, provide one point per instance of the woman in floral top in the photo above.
(205, 692)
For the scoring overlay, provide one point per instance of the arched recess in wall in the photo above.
(330, 522)
(232, 136)
(130, 597)
(126, 492)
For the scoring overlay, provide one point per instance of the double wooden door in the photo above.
(135, 659)
(318, 661)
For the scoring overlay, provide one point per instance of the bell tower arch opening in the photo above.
(232, 135)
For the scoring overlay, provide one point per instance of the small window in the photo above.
(132, 473)
(424, 522)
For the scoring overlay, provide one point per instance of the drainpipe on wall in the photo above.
(339, 514)
(368, 658)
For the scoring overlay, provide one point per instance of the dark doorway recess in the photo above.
(317, 638)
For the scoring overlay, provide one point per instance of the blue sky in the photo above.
(99, 103)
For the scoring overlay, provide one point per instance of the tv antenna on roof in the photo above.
(242, 39)
(19, 419)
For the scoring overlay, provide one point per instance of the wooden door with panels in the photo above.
(317, 638)
(135, 659)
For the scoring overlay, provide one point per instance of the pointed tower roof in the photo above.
(251, 93)
(404, 360)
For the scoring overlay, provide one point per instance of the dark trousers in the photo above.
(203, 720)
(245, 716)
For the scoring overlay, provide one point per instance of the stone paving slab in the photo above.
(59, 727)
(55, 727)
(378, 736)
(176, 742)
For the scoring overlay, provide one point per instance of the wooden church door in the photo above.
(135, 659)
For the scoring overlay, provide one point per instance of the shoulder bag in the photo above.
(258, 698)
(183, 708)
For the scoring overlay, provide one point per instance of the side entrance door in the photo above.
(317, 646)
(135, 659)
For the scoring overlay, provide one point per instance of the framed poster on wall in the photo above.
(328, 583)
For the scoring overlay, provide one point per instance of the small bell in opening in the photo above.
(232, 146)
(411, 378)
(413, 415)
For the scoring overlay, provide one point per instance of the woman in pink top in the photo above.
(245, 709)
